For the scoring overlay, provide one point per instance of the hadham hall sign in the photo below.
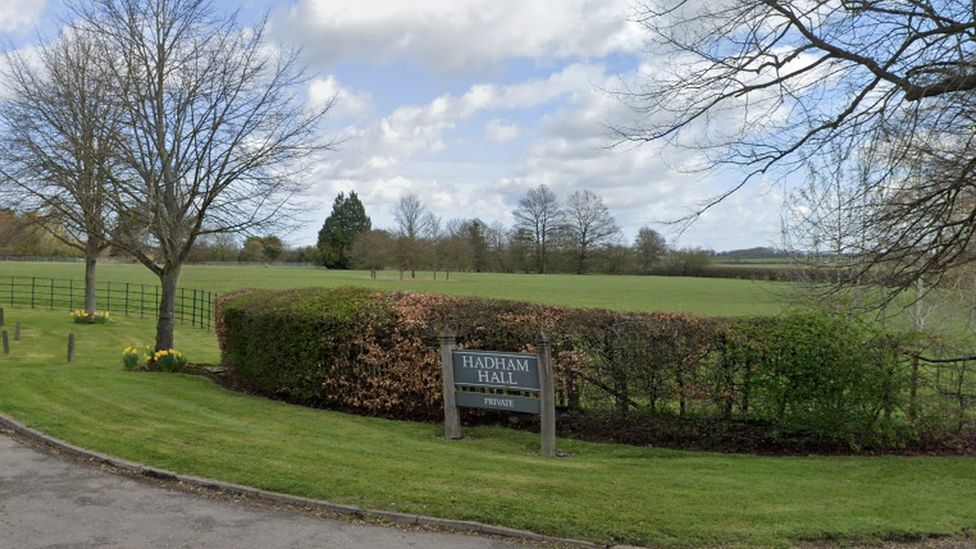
(513, 382)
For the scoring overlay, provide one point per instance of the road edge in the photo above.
(139, 469)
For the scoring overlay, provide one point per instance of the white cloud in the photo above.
(347, 103)
(569, 150)
(19, 15)
(499, 129)
(461, 33)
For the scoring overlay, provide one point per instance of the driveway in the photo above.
(59, 503)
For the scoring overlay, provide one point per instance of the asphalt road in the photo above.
(58, 503)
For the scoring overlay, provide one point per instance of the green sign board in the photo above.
(513, 371)
(488, 401)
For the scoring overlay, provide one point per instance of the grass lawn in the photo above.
(705, 296)
(604, 492)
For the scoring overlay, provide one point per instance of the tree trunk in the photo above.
(167, 307)
(91, 257)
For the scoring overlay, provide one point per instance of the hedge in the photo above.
(823, 381)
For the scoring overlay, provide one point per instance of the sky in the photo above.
(470, 103)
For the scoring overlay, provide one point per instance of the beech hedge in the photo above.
(802, 376)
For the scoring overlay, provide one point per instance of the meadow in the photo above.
(712, 297)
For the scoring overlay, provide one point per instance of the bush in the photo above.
(803, 376)
(822, 374)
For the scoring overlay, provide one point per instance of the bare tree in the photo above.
(371, 250)
(588, 225)
(215, 135)
(411, 217)
(768, 86)
(539, 213)
(60, 125)
(433, 234)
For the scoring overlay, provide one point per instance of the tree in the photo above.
(771, 86)
(347, 221)
(60, 124)
(521, 243)
(649, 247)
(411, 217)
(475, 233)
(371, 250)
(588, 226)
(214, 137)
(540, 214)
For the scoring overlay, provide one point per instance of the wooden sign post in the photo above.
(512, 382)
(452, 419)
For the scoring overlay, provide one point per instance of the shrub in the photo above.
(823, 374)
(802, 376)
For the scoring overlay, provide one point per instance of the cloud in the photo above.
(461, 33)
(20, 15)
(348, 103)
(499, 129)
(568, 148)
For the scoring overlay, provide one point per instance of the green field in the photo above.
(603, 492)
(705, 296)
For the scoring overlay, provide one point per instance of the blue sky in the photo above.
(469, 103)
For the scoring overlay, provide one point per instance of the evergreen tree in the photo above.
(347, 221)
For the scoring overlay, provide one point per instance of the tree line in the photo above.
(577, 236)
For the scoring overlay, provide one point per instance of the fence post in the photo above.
(193, 311)
(126, 299)
(6, 343)
(182, 304)
(548, 417)
(71, 347)
(33, 287)
(51, 302)
(913, 396)
(452, 419)
(108, 290)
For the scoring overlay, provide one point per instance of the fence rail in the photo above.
(193, 306)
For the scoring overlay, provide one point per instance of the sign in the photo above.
(500, 374)
(489, 401)
(513, 371)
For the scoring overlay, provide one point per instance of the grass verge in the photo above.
(603, 493)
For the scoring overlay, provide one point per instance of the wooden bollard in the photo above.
(17, 331)
(71, 347)
(6, 343)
